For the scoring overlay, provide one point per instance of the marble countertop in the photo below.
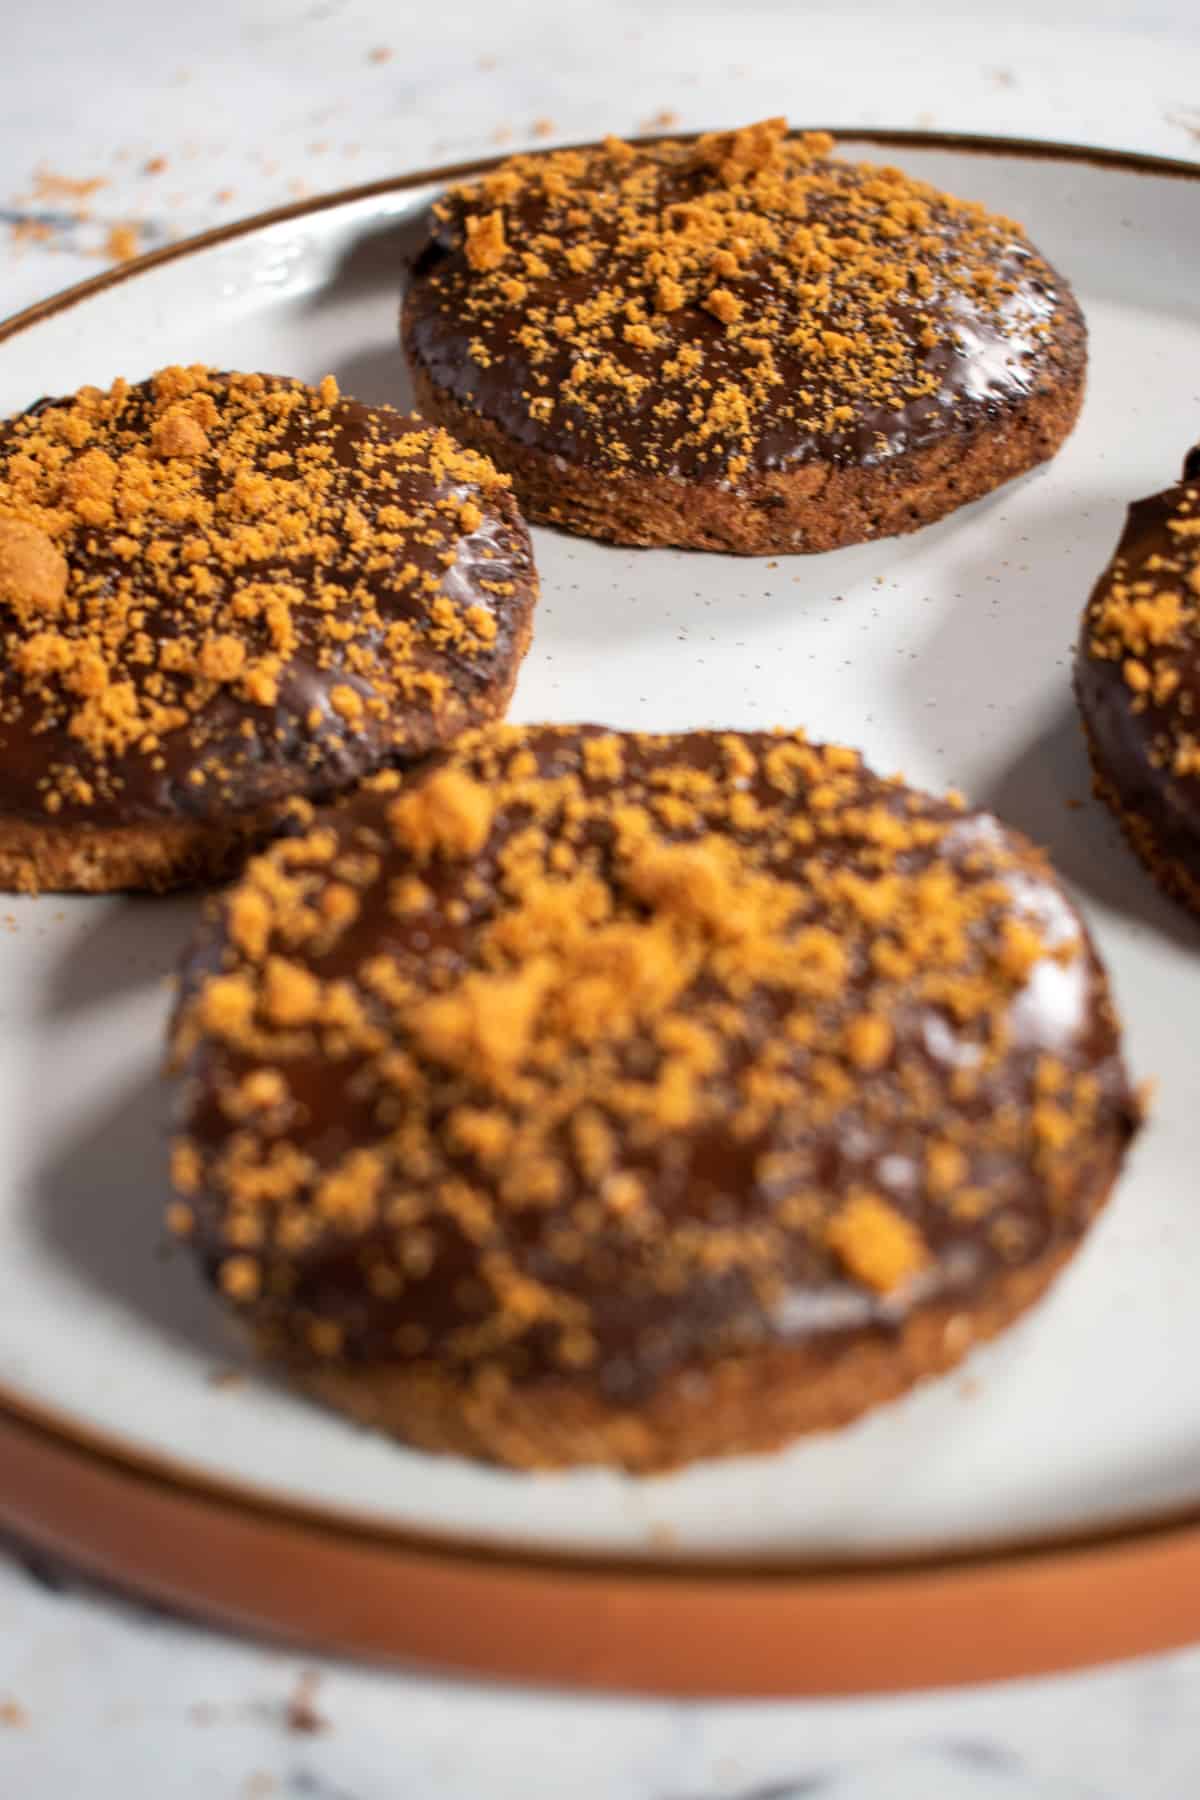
(126, 125)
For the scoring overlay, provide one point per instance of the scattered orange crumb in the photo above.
(1189, 122)
(30, 231)
(449, 815)
(48, 185)
(869, 1040)
(178, 433)
(486, 246)
(13, 1714)
(33, 570)
(302, 1714)
(239, 1277)
(876, 1243)
(382, 53)
(543, 128)
(155, 165)
(122, 243)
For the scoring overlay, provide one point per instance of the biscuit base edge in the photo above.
(813, 508)
(752, 1404)
(1170, 875)
(153, 856)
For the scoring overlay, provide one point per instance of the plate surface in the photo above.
(945, 654)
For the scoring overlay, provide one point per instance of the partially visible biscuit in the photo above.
(1137, 682)
(600, 1097)
(223, 595)
(739, 343)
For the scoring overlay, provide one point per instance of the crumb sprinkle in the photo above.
(619, 1018)
(178, 558)
(691, 302)
(1144, 617)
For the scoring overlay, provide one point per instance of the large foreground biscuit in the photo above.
(603, 1097)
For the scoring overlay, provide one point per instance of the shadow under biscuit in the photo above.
(377, 375)
(378, 261)
(99, 1199)
(994, 676)
(381, 256)
(1042, 792)
(701, 597)
(130, 941)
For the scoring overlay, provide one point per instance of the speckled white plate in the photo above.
(945, 654)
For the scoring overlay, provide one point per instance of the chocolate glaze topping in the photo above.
(1137, 670)
(629, 1052)
(744, 302)
(217, 591)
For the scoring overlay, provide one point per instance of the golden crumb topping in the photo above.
(876, 1243)
(743, 300)
(1144, 619)
(608, 1030)
(232, 585)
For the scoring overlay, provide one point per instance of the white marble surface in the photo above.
(251, 104)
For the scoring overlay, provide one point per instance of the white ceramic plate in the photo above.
(945, 654)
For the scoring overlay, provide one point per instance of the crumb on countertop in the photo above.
(302, 1715)
(49, 185)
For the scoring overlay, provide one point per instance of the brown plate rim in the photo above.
(1137, 162)
(39, 1439)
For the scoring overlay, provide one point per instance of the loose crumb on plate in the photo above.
(302, 1715)
(122, 243)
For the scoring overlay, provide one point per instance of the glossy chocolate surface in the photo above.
(1132, 733)
(252, 754)
(993, 349)
(716, 1181)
